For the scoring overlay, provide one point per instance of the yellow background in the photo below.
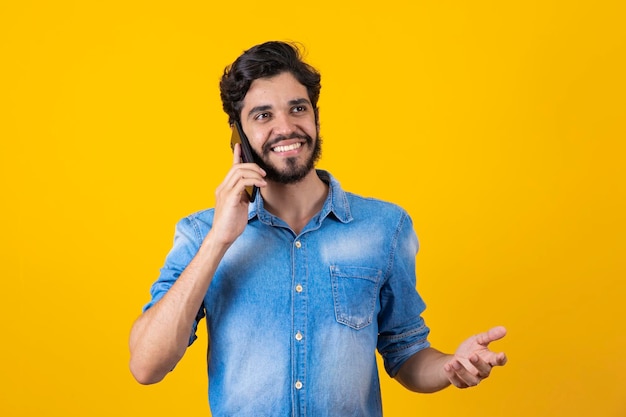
(499, 126)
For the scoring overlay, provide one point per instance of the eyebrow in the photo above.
(299, 101)
(266, 107)
(259, 109)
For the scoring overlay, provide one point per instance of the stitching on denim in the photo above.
(395, 338)
(346, 207)
(356, 272)
(394, 360)
(339, 199)
(394, 243)
(393, 352)
(196, 228)
(335, 273)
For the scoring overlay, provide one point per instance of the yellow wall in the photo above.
(498, 125)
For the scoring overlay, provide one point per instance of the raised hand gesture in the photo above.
(472, 362)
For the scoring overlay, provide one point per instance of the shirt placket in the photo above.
(299, 333)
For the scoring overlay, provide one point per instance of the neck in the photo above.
(296, 203)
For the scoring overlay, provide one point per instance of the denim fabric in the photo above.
(294, 320)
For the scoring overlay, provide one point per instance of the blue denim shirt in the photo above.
(294, 319)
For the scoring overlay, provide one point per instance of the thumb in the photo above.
(491, 335)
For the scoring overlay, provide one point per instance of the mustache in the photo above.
(270, 144)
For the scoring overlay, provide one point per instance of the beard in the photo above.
(294, 172)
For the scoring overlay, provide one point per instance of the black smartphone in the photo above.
(246, 153)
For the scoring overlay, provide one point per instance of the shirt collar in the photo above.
(336, 203)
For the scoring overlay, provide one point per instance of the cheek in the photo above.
(257, 139)
(311, 128)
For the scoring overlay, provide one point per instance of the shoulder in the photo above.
(196, 224)
(361, 205)
(383, 218)
(203, 216)
(364, 209)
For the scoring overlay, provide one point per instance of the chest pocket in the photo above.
(355, 292)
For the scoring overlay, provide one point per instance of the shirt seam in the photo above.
(399, 337)
(394, 245)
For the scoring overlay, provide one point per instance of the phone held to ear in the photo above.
(246, 154)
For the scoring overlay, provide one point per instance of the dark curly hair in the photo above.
(266, 60)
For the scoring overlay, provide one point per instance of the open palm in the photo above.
(472, 362)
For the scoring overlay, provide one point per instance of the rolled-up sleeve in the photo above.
(187, 241)
(402, 330)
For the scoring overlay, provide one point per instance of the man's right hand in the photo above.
(231, 199)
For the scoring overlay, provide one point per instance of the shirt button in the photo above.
(299, 336)
(298, 244)
(298, 288)
(298, 385)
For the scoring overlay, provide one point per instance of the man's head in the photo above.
(274, 94)
(261, 61)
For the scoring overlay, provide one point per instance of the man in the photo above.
(301, 286)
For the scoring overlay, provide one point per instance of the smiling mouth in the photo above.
(287, 148)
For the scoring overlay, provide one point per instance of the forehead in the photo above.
(274, 91)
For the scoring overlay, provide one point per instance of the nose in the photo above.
(283, 124)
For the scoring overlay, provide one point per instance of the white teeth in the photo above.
(287, 147)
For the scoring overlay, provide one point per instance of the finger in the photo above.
(491, 335)
(250, 174)
(501, 359)
(250, 177)
(237, 154)
(483, 368)
(237, 159)
(453, 377)
(456, 381)
(464, 375)
(237, 188)
(230, 181)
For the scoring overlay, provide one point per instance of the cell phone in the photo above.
(246, 154)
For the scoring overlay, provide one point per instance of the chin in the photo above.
(292, 171)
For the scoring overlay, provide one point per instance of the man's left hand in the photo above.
(472, 362)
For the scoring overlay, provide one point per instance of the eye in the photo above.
(298, 109)
(262, 116)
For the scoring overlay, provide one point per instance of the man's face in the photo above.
(279, 121)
